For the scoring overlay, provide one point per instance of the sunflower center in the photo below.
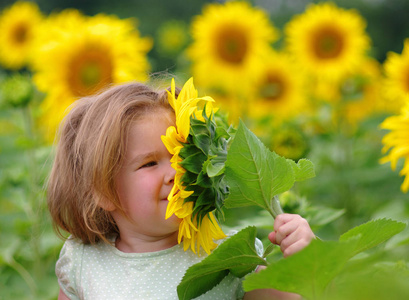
(290, 144)
(20, 33)
(328, 43)
(231, 45)
(89, 71)
(273, 87)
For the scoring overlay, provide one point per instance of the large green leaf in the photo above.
(255, 174)
(373, 233)
(236, 255)
(309, 271)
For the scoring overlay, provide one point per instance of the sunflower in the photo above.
(172, 37)
(16, 33)
(326, 40)
(396, 85)
(193, 197)
(360, 93)
(229, 44)
(397, 143)
(279, 90)
(78, 56)
(290, 142)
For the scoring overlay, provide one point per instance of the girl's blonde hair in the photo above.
(90, 150)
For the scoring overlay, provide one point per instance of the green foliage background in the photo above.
(350, 186)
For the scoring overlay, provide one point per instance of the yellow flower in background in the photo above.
(349, 100)
(234, 108)
(77, 55)
(194, 233)
(229, 44)
(360, 93)
(396, 84)
(16, 33)
(326, 40)
(279, 91)
(172, 37)
(397, 143)
(290, 142)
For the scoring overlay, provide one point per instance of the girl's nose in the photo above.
(170, 174)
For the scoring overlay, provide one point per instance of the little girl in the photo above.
(108, 188)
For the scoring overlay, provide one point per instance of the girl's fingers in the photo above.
(278, 222)
(284, 224)
(292, 233)
(295, 247)
(272, 237)
(284, 230)
(284, 218)
(301, 233)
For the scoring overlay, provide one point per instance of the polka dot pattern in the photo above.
(103, 272)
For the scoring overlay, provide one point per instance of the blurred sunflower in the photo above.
(172, 37)
(189, 200)
(290, 142)
(396, 85)
(360, 92)
(230, 41)
(326, 40)
(16, 33)
(278, 91)
(76, 56)
(397, 143)
(234, 108)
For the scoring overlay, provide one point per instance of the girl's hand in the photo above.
(291, 232)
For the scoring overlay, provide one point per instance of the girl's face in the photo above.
(145, 181)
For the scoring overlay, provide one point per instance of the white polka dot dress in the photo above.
(103, 272)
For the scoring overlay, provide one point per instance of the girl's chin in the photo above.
(175, 219)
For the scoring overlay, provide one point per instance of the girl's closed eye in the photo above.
(149, 164)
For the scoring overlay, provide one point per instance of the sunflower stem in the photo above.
(275, 207)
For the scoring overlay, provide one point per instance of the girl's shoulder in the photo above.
(74, 248)
(67, 266)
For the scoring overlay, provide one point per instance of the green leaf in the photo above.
(282, 174)
(269, 249)
(318, 216)
(373, 233)
(236, 255)
(303, 170)
(255, 174)
(309, 271)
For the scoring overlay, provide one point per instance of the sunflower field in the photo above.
(322, 80)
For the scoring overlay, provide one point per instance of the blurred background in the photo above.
(327, 81)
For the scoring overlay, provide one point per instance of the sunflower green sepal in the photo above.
(205, 154)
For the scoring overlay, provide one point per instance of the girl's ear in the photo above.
(106, 205)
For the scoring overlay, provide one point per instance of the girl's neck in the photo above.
(137, 244)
